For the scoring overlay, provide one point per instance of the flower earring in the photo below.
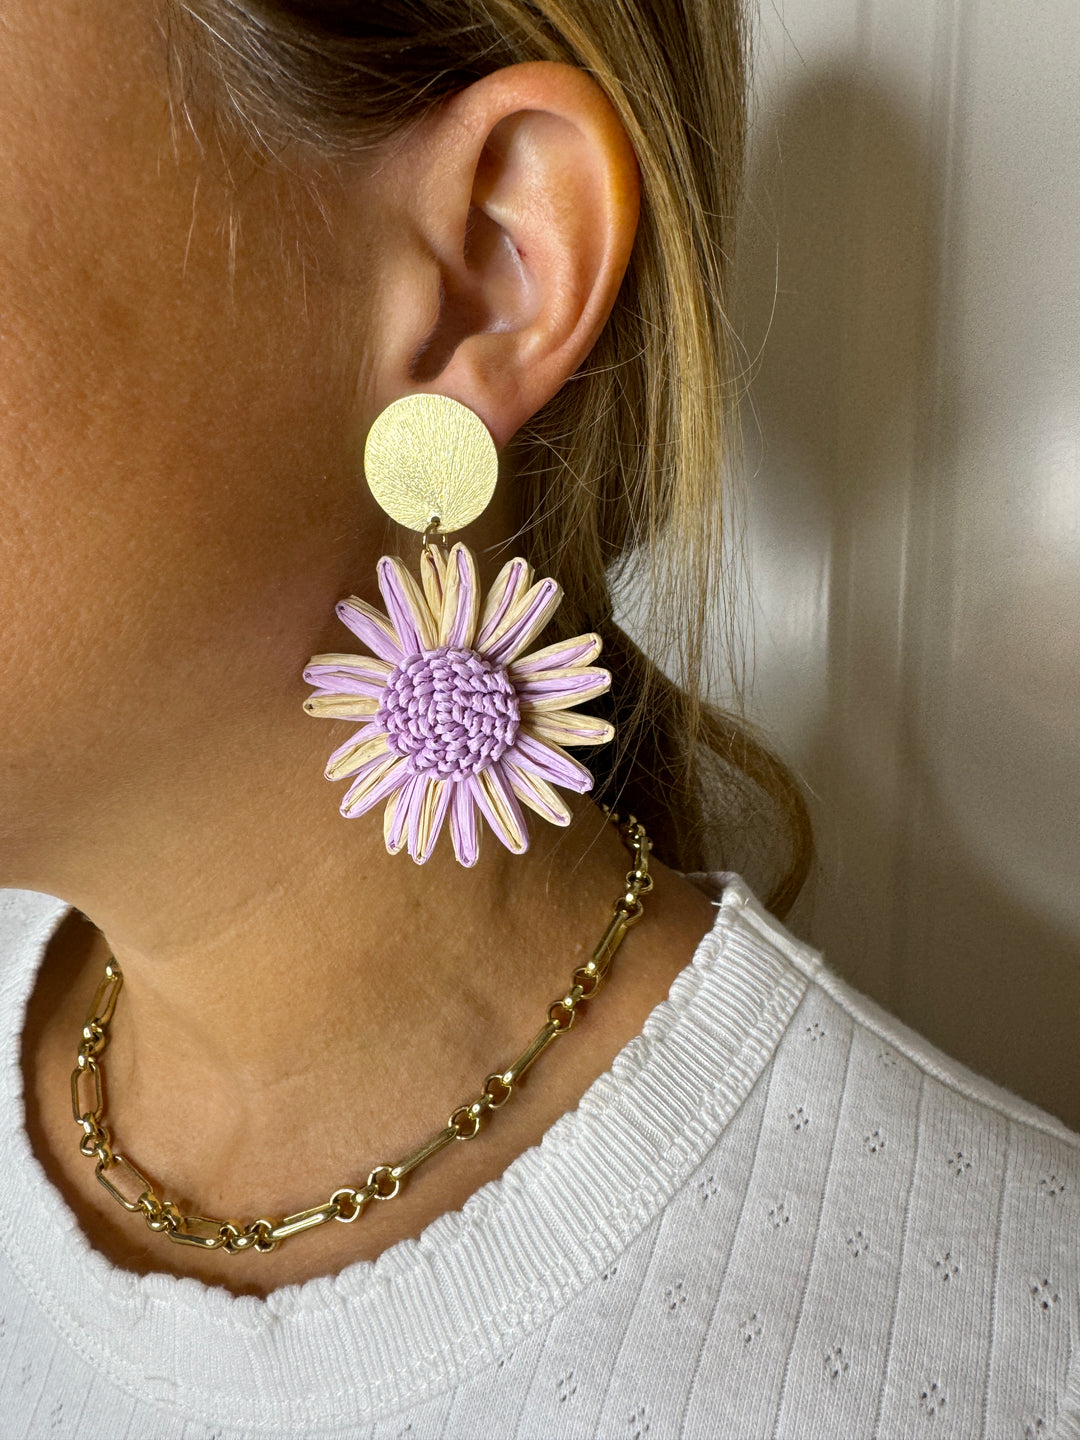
(457, 719)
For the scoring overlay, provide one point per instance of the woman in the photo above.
(739, 1200)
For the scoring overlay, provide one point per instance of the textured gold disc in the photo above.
(431, 463)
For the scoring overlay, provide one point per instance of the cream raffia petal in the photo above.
(582, 650)
(340, 707)
(351, 757)
(433, 577)
(459, 721)
(562, 728)
(511, 583)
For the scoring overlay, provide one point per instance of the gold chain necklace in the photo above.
(384, 1182)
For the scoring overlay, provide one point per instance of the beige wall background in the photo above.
(910, 299)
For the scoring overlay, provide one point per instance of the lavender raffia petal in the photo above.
(500, 808)
(528, 618)
(406, 606)
(386, 775)
(373, 628)
(566, 727)
(341, 682)
(511, 583)
(346, 754)
(461, 601)
(537, 794)
(463, 829)
(327, 705)
(347, 672)
(563, 655)
(550, 762)
(559, 689)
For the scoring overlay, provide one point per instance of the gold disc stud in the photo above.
(431, 463)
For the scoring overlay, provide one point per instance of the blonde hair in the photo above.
(622, 470)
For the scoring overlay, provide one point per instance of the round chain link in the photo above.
(384, 1181)
(355, 1200)
(494, 1101)
(466, 1121)
(262, 1228)
(376, 1178)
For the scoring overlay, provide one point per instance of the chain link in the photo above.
(130, 1188)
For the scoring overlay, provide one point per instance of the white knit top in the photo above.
(780, 1213)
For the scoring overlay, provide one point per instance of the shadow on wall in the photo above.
(847, 288)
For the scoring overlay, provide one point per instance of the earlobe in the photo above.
(538, 198)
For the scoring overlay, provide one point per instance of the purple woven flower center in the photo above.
(449, 712)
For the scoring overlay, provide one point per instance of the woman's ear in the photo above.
(516, 210)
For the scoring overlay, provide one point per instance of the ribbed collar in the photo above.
(427, 1312)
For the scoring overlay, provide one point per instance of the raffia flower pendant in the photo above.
(458, 720)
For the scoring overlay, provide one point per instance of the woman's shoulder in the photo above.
(861, 1024)
(905, 1227)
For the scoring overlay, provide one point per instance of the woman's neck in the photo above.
(299, 1006)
